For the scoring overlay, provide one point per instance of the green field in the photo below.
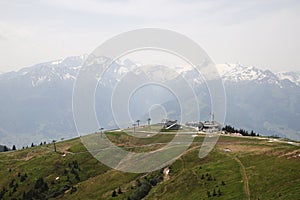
(250, 168)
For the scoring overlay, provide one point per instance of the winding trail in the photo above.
(245, 178)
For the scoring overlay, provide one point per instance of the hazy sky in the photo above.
(260, 33)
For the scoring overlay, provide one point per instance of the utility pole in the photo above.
(164, 123)
(212, 118)
(101, 131)
(134, 128)
(54, 145)
(149, 119)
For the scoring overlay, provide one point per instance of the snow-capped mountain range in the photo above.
(37, 103)
(67, 69)
(291, 76)
(238, 73)
(62, 69)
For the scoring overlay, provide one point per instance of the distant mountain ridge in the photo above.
(291, 76)
(239, 73)
(68, 68)
(37, 103)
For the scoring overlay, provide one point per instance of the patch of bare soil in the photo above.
(244, 148)
(293, 154)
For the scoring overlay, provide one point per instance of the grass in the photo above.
(121, 138)
(272, 170)
(188, 182)
(268, 175)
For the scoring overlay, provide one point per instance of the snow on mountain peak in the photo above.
(67, 69)
(62, 69)
(238, 72)
(56, 62)
(225, 68)
(291, 76)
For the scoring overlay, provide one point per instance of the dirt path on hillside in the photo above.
(245, 178)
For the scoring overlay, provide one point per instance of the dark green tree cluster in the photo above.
(58, 188)
(141, 191)
(41, 185)
(33, 145)
(231, 129)
(143, 187)
(214, 193)
(4, 148)
(208, 177)
(222, 183)
(13, 185)
(75, 169)
(74, 164)
(114, 193)
(3, 191)
(73, 189)
(43, 143)
(38, 192)
(22, 177)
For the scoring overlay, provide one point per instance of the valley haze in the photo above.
(37, 103)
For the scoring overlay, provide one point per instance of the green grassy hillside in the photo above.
(237, 168)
